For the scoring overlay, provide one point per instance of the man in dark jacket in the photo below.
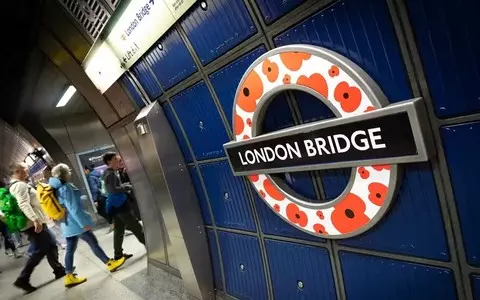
(118, 205)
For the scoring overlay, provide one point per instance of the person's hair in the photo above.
(14, 167)
(107, 157)
(61, 171)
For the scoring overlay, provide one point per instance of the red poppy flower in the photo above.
(294, 60)
(381, 167)
(253, 178)
(349, 97)
(334, 71)
(363, 172)
(249, 122)
(316, 82)
(287, 79)
(296, 216)
(270, 69)
(272, 190)
(246, 137)
(378, 192)
(262, 193)
(238, 125)
(320, 215)
(276, 207)
(370, 108)
(319, 228)
(349, 214)
(252, 90)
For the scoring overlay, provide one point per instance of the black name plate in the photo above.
(384, 136)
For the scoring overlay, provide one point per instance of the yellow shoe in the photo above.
(113, 265)
(72, 280)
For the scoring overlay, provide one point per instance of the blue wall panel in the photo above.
(291, 264)
(211, 40)
(272, 224)
(225, 81)
(241, 250)
(414, 225)
(170, 60)
(461, 144)
(227, 195)
(182, 142)
(201, 121)
(214, 255)
(146, 79)
(274, 9)
(311, 108)
(207, 219)
(134, 94)
(447, 35)
(362, 31)
(476, 286)
(375, 278)
(334, 182)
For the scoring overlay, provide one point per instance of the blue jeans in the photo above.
(72, 243)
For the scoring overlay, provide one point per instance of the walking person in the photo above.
(10, 249)
(118, 205)
(77, 225)
(95, 184)
(35, 229)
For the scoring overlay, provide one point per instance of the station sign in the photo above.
(140, 25)
(369, 135)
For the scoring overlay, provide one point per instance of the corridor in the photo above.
(130, 282)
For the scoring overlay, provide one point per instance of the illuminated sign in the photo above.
(369, 135)
(142, 23)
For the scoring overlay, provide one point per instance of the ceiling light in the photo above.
(66, 96)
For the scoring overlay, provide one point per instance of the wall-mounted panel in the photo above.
(476, 286)
(300, 272)
(182, 142)
(201, 121)
(272, 224)
(414, 223)
(334, 182)
(147, 80)
(446, 33)
(210, 40)
(243, 267)
(134, 94)
(361, 30)
(273, 9)
(461, 144)
(227, 195)
(119, 100)
(215, 257)
(369, 277)
(225, 81)
(207, 219)
(170, 60)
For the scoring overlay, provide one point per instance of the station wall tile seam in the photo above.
(147, 79)
(135, 97)
(216, 264)
(272, 10)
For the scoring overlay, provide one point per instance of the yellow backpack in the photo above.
(49, 202)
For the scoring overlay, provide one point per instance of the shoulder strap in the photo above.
(12, 184)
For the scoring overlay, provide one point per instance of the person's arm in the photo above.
(73, 206)
(19, 190)
(112, 184)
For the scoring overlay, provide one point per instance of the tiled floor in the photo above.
(100, 285)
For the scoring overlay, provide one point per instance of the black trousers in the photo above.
(122, 220)
(6, 237)
(101, 209)
(44, 245)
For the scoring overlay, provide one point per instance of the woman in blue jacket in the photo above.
(77, 224)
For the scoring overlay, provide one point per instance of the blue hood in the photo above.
(55, 183)
(96, 173)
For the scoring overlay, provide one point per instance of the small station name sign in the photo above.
(390, 135)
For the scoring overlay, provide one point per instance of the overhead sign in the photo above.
(369, 134)
(141, 24)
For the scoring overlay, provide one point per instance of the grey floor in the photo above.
(130, 282)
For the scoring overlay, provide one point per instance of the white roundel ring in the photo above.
(348, 91)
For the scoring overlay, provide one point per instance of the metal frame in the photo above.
(407, 44)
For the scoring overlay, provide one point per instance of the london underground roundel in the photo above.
(368, 134)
